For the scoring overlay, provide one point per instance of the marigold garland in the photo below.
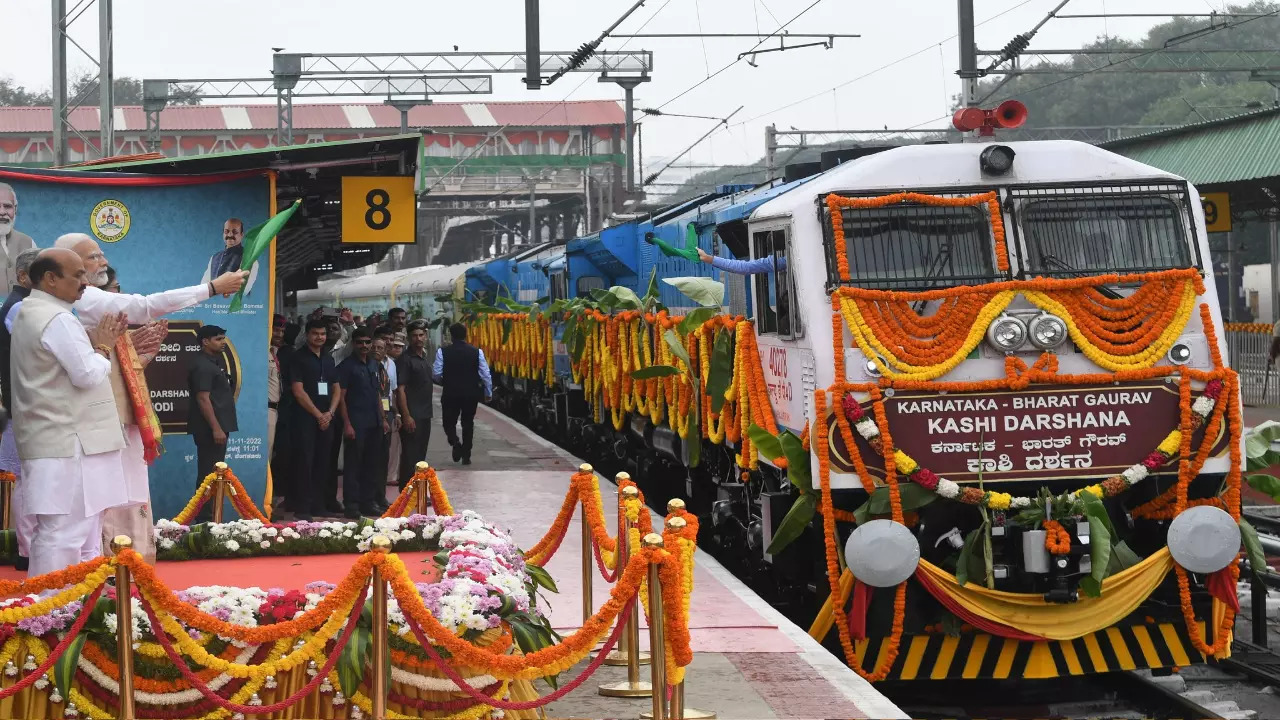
(1056, 540)
(837, 204)
(240, 500)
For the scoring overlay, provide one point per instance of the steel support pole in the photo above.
(628, 85)
(58, 88)
(106, 82)
(1233, 285)
(532, 46)
(968, 54)
(770, 150)
(534, 236)
(1274, 227)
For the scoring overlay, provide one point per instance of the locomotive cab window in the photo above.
(775, 296)
(559, 285)
(1077, 231)
(914, 247)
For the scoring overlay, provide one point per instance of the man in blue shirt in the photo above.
(364, 424)
(460, 369)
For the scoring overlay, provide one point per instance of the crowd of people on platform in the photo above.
(362, 390)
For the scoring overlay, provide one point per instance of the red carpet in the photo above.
(289, 573)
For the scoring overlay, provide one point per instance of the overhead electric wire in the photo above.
(775, 33)
(586, 50)
(550, 106)
(880, 69)
(724, 123)
(1152, 51)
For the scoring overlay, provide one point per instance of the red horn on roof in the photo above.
(1009, 114)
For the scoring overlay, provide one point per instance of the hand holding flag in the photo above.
(256, 241)
(688, 252)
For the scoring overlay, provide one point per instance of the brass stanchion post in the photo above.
(124, 629)
(675, 706)
(6, 497)
(421, 488)
(378, 649)
(588, 604)
(657, 645)
(219, 489)
(627, 647)
(629, 650)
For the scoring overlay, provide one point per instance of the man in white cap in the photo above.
(96, 304)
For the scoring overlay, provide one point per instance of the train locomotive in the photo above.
(975, 416)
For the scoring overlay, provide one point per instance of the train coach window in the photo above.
(1066, 236)
(588, 283)
(913, 247)
(775, 302)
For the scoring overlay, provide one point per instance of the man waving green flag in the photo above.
(256, 241)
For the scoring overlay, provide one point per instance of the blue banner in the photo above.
(160, 238)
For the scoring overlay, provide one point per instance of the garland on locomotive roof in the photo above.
(837, 204)
(1128, 333)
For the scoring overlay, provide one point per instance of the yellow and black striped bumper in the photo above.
(981, 656)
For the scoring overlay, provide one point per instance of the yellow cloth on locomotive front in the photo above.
(1122, 593)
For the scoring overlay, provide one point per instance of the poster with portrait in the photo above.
(160, 233)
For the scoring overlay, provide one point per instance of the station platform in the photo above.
(749, 660)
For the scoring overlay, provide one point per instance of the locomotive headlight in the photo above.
(882, 553)
(1047, 332)
(1204, 539)
(873, 369)
(996, 160)
(1007, 333)
(1180, 354)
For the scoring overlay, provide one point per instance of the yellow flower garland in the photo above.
(1116, 363)
(873, 349)
(196, 652)
(13, 615)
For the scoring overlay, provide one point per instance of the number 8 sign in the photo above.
(379, 210)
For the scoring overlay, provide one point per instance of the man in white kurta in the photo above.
(95, 304)
(68, 433)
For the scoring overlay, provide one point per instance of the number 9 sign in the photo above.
(1217, 212)
(379, 210)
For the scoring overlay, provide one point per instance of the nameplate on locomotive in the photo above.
(1041, 433)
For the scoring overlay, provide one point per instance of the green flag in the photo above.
(256, 241)
(688, 252)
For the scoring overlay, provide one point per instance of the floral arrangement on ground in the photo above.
(477, 585)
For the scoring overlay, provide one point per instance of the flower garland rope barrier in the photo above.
(157, 619)
(214, 486)
(423, 490)
(541, 663)
(85, 611)
(144, 576)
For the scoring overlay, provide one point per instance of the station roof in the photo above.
(312, 173)
(356, 117)
(1239, 154)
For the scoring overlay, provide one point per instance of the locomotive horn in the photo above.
(968, 119)
(1010, 114)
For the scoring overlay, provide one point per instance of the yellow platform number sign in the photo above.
(1217, 211)
(378, 210)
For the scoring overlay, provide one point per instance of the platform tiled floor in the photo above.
(749, 661)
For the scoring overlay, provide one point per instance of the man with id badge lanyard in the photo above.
(317, 391)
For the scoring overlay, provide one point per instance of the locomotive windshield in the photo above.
(1135, 233)
(912, 246)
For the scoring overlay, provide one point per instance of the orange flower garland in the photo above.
(836, 204)
(165, 599)
(1056, 540)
